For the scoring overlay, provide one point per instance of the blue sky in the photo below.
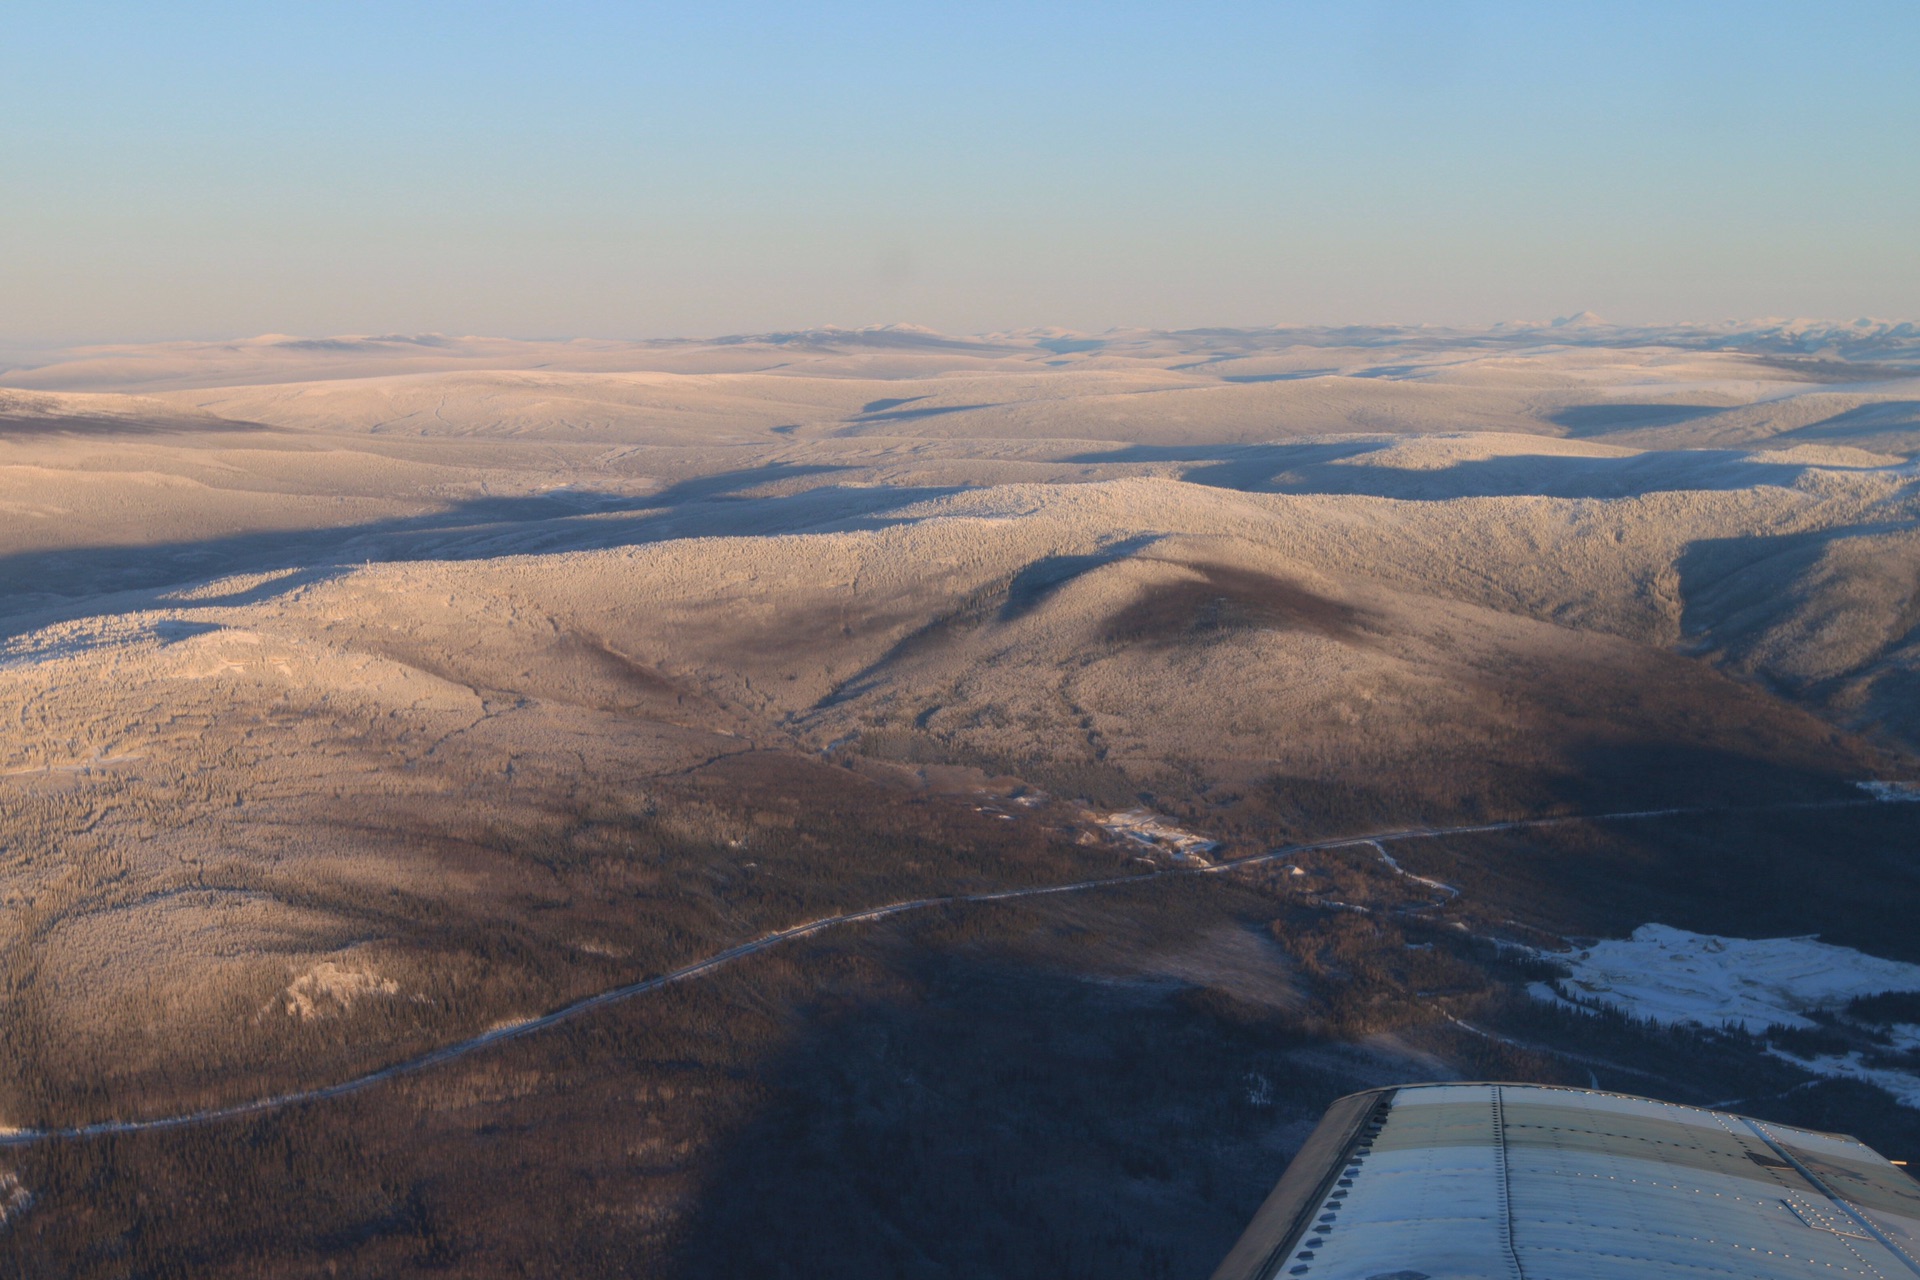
(208, 169)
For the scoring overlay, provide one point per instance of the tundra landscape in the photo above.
(875, 802)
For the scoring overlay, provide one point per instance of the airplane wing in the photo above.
(1531, 1182)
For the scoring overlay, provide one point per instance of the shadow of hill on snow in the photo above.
(1351, 467)
(475, 529)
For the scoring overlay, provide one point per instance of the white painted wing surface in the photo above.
(1530, 1182)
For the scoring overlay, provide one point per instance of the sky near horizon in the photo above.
(202, 169)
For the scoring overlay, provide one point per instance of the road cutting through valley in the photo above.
(18, 1137)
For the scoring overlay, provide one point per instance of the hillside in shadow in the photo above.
(469, 530)
(1342, 467)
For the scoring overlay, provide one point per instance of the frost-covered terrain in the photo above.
(1227, 586)
(361, 695)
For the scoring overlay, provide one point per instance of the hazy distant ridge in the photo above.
(284, 357)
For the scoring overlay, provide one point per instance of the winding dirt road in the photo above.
(719, 960)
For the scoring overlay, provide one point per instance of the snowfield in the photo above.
(1671, 975)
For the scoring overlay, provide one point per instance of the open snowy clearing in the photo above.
(1673, 976)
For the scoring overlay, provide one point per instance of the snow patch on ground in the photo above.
(1143, 826)
(1671, 975)
(330, 988)
(14, 1198)
(1438, 885)
(1903, 1085)
(1545, 991)
(1891, 791)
